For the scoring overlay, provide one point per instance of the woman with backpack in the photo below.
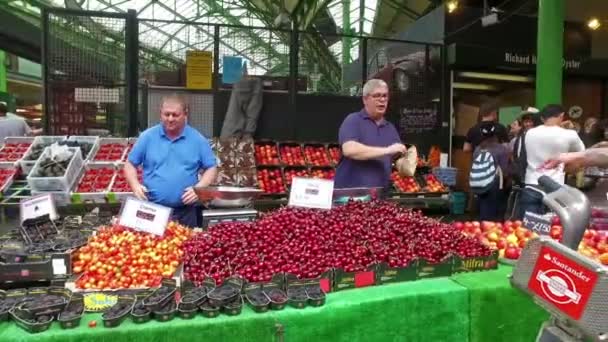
(489, 177)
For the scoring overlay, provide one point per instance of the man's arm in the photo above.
(138, 189)
(207, 178)
(358, 151)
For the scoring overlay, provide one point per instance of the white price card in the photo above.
(144, 216)
(38, 206)
(311, 193)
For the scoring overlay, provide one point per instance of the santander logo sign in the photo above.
(578, 274)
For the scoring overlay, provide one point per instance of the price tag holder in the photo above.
(144, 216)
(311, 193)
(537, 223)
(38, 206)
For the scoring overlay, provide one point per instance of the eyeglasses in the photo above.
(379, 96)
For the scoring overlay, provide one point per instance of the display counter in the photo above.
(466, 307)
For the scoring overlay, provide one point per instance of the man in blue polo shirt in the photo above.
(172, 154)
(368, 142)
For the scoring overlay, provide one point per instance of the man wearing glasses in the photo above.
(368, 142)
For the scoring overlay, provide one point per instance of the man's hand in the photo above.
(189, 196)
(570, 161)
(396, 148)
(140, 192)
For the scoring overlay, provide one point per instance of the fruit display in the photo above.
(433, 184)
(290, 173)
(334, 154)
(307, 242)
(292, 155)
(434, 156)
(510, 237)
(316, 155)
(266, 154)
(129, 148)
(13, 151)
(117, 257)
(36, 150)
(404, 184)
(120, 183)
(323, 173)
(270, 180)
(96, 180)
(110, 152)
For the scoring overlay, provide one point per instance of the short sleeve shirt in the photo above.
(352, 173)
(171, 166)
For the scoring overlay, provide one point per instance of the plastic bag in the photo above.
(406, 165)
(60, 153)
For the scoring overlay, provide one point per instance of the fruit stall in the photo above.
(362, 270)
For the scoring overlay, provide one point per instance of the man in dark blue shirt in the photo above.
(172, 154)
(368, 142)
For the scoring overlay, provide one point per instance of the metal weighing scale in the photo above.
(227, 204)
(570, 286)
(342, 196)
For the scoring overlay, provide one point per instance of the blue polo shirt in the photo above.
(170, 166)
(352, 173)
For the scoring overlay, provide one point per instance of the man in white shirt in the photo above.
(542, 143)
(12, 125)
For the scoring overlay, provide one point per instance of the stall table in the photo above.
(466, 307)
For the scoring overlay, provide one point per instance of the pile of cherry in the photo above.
(308, 242)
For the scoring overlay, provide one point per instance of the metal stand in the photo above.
(554, 331)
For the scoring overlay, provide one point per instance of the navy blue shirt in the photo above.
(170, 166)
(352, 173)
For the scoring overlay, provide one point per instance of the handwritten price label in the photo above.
(537, 223)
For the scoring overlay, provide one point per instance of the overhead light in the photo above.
(452, 6)
(498, 77)
(594, 23)
(473, 86)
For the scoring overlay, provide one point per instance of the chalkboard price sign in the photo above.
(537, 223)
(418, 119)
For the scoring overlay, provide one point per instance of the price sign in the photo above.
(537, 223)
(38, 206)
(144, 216)
(311, 193)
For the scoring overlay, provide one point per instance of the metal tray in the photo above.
(227, 196)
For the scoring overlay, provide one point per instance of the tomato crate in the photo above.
(15, 148)
(93, 184)
(8, 172)
(119, 188)
(326, 172)
(316, 154)
(289, 172)
(405, 185)
(266, 153)
(291, 154)
(110, 150)
(335, 153)
(271, 180)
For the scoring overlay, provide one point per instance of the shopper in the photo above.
(172, 155)
(542, 143)
(12, 125)
(488, 112)
(490, 163)
(368, 142)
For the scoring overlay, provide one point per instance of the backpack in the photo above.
(483, 172)
(520, 159)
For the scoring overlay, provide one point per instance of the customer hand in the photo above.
(140, 192)
(396, 148)
(189, 196)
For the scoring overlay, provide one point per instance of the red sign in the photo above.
(562, 282)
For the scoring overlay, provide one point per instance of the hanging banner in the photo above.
(199, 69)
(232, 69)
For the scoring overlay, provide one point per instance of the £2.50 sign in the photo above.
(562, 282)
